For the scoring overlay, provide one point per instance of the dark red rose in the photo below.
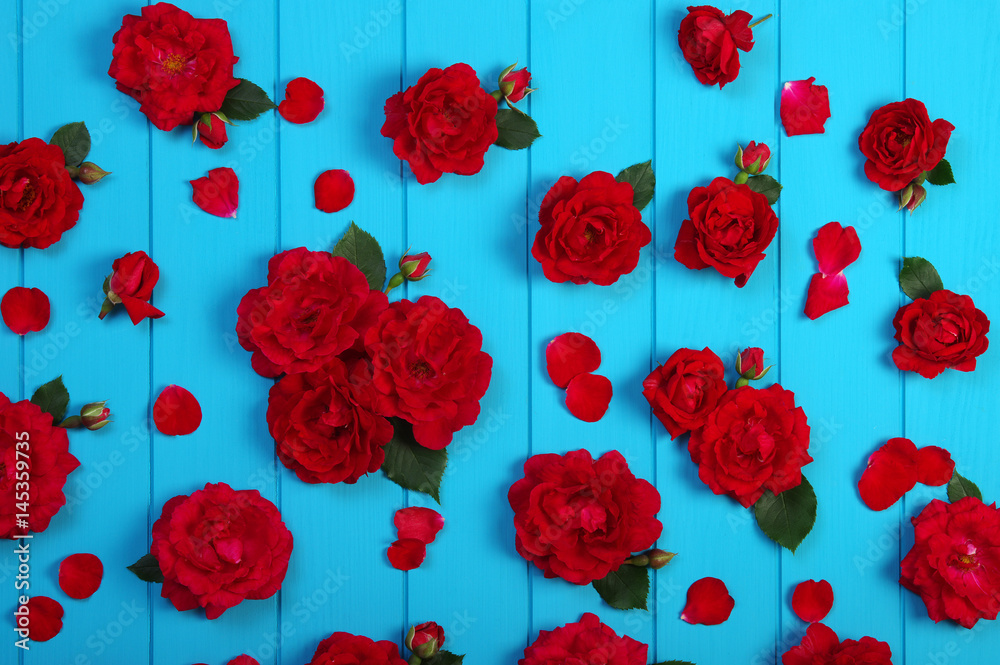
(324, 425)
(821, 646)
(133, 277)
(219, 547)
(173, 64)
(578, 518)
(755, 440)
(425, 640)
(901, 142)
(587, 642)
(954, 564)
(729, 228)
(355, 650)
(26, 428)
(940, 332)
(315, 306)
(212, 131)
(709, 40)
(591, 231)
(443, 124)
(685, 389)
(38, 199)
(429, 368)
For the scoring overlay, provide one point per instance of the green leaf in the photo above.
(918, 278)
(959, 488)
(361, 249)
(147, 569)
(53, 398)
(246, 101)
(74, 139)
(444, 658)
(788, 517)
(941, 174)
(626, 588)
(410, 465)
(643, 182)
(766, 185)
(515, 129)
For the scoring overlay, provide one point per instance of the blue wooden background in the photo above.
(614, 91)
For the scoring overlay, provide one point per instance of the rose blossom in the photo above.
(900, 142)
(942, 331)
(356, 649)
(709, 40)
(586, 641)
(685, 389)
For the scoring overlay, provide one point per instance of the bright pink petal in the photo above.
(334, 190)
(826, 293)
(891, 473)
(812, 600)
(303, 101)
(934, 466)
(44, 618)
(218, 193)
(176, 412)
(708, 602)
(588, 397)
(25, 310)
(407, 554)
(80, 575)
(804, 107)
(836, 248)
(418, 523)
(570, 355)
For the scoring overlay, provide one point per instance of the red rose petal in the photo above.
(836, 247)
(44, 618)
(407, 554)
(570, 355)
(934, 466)
(812, 600)
(804, 107)
(588, 397)
(80, 575)
(25, 310)
(303, 101)
(418, 523)
(218, 193)
(708, 602)
(891, 473)
(334, 190)
(176, 412)
(243, 660)
(826, 293)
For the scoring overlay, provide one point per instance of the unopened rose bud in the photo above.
(750, 366)
(413, 267)
(425, 640)
(640, 560)
(95, 415)
(211, 129)
(90, 173)
(754, 159)
(514, 84)
(911, 197)
(659, 558)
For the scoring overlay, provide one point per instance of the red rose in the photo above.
(940, 332)
(579, 519)
(413, 267)
(750, 363)
(685, 389)
(709, 40)
(219, 547)
(425, 640)
(954, 564)
(518, 82)
(429, 368)
(38, 199)
(821, 646)
(25, 428)
(212, 131)
(173, 64)
(755, 440)
(133, 277)
(901, 142)
(315, 306)
(587, 641)
(324, 426)
(754, 153)
(591, 231)
(443, 124)
(355, 649)
(729, 228)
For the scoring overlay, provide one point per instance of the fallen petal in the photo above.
(934, 466)
(826, 293)
(176, 412)
(80, 575)
(588, 397)
(218, 193)
(812, 600)
(708, 602)
(44, 617)
(334, 190)
(891, 473)
(804, 107)
(570, 355)
(25, 310)
(836, 247)
(418, 523)
(303, 101)
(407, 554)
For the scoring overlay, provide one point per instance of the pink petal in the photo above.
(836, 247)
(934, 466)
(708, 602)
(176, 412)
(891, 473)
(812, 600)
(218, 193)
(826, 293)
(588, 397)
(418, 523)
(25, 310)
(334, 190)
(569, 355)
(303, 101)
(407, 554)
(804, 107)
(80, 575)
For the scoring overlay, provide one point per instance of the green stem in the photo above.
(759, 21)
(741, 178)
(414, 660)
(395, 281)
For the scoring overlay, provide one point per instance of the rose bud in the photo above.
(911, 197)
(414, 266)
(659, 558)
(95, 415)
(131, 284)
(90, 173)
(754, 159)
(514, 84)
(211, 129)
(750, 366)
(425, 640)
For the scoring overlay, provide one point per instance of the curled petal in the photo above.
(570, 355)
(891, 473)
(334, 190)
(588, 397)
(934, 466)
(836, 247)
(25, 310)
(804, 107)
(80, 575)
(218, 193)
(303, 101)
(45, 618)
(708, 602)
(826, 293)
(407, 554)
(418, 523)
(812, 600)
(176, 412)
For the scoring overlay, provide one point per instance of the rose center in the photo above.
(28, 195)
(420, 370)
(174, 63)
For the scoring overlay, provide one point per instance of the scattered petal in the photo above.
(176, 412)
(418, 523)
(934, 466)
(218, 193)
(407, 554)
(303, 101)
(334, 190)
(588, 397)
(891, 473)
(826, 293)
(44, 618)
(570, 355)
(708, 602)
(80, 575)
(804, 107)
(812, 600)
(25, 310)
(836, 247)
